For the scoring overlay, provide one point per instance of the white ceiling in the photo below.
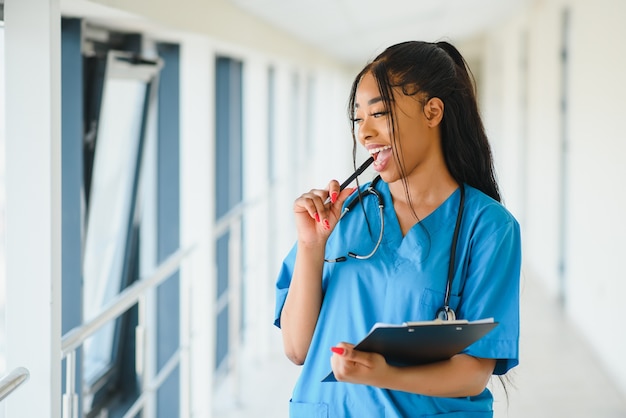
(356, 30)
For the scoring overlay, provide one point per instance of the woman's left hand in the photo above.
(460, 376)
(354, 366)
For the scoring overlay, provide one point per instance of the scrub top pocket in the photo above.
(433, 299)
(308, 410)
(363, 408)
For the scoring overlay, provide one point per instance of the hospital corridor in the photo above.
(151, 153)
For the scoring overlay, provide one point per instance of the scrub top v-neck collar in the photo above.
(417, 235)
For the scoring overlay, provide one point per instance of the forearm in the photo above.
(460, 376)
(302, 306)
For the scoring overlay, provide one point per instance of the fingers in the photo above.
(335, 195)
(343, 196)
(316, 201)
(333, 191)
(313, 203)
(322, 206)
(348, 353)
(351, 365)
(342, 349)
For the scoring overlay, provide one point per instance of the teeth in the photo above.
(377, 150)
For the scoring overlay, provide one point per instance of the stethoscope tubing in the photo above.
(444, 312)
(381, 206)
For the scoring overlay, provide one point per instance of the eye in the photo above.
(380, 114)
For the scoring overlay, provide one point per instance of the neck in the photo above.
(423, 191)
(422, 198)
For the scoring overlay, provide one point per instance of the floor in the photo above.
(558, 375)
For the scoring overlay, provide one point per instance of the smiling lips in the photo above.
(374, 151)
(381, 156)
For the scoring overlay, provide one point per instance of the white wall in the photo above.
(596, 224)
(593, 208)
(33, 204)
(197, 215)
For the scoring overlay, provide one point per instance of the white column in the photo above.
(257, 246)
(198, 274)
(33, 213)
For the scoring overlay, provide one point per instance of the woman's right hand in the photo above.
(314, 220)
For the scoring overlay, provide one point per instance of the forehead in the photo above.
(367, 92)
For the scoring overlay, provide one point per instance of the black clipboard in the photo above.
(415, 343)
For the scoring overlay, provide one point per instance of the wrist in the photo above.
(315, 246)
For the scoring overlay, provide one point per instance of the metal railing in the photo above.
(132, 295)
(12, 381)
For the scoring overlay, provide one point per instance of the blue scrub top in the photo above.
(404, 281)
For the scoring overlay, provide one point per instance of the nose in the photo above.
(365, 129)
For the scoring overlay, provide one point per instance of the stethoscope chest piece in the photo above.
(446, 313)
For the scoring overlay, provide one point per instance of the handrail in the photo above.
(122, 302)
(236, 212)
(12, 381)
(165, 372)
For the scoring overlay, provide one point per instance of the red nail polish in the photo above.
(326, 224)
(337, 350)
(317, 216)
(333, 197)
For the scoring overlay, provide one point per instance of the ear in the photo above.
(434, 111)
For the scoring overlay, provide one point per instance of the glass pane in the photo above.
(221, 348)
(108, 217)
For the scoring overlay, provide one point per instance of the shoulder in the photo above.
(487, 216)
(479, 204)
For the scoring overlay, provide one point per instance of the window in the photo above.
(229, 193)
(121, 88)
(112, 198)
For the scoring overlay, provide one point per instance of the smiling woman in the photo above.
(449, 249)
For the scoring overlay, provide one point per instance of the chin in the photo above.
(388, 177)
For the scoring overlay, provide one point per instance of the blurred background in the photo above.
(150, 152)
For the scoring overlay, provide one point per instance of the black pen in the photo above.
(354, 175)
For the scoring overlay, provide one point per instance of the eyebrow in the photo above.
(371, 101)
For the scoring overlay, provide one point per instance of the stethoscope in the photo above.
(445, 313)
(370, 190)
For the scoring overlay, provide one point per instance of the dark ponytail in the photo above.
(465, 144)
